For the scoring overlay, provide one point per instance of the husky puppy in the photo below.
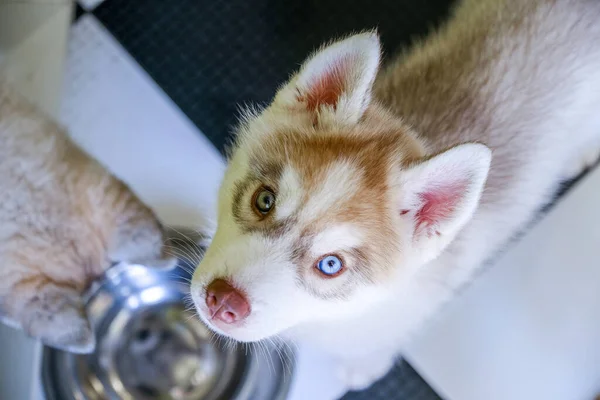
(360, 199)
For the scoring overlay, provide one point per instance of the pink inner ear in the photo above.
(439, 204)
(329, 85)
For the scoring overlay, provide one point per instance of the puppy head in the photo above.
(329, 202)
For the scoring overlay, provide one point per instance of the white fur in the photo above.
(340, 182)
(290, 193)
(340, 237)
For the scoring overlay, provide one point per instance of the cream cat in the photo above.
(64, 219)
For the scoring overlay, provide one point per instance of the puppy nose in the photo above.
(226, 303)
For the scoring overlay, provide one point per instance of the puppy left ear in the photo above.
(440, 195)
(337, 80)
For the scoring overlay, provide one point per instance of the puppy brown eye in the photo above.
(264, 200)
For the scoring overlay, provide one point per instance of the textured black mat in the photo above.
(211, 56)
(401, 383)
(78, 11)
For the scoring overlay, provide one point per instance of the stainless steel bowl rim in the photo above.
(123, 283)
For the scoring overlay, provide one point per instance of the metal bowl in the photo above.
(149, 348)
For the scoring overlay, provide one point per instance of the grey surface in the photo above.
(17, 364)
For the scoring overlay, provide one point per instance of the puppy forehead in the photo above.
(337, 237)
(330, 189)
(298, 162)
(291, 192)
(313, 192)
(316, 179)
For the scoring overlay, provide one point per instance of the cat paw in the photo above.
(359, 375)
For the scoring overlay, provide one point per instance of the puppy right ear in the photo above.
(438, 196)
(56, 316)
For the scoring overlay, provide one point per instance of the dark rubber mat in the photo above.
(401, 383)
(212, 56)
(78, 12)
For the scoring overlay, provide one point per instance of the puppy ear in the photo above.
(56, 316)
(439, 196)
(336, 81)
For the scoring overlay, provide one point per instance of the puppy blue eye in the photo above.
(330, 265)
